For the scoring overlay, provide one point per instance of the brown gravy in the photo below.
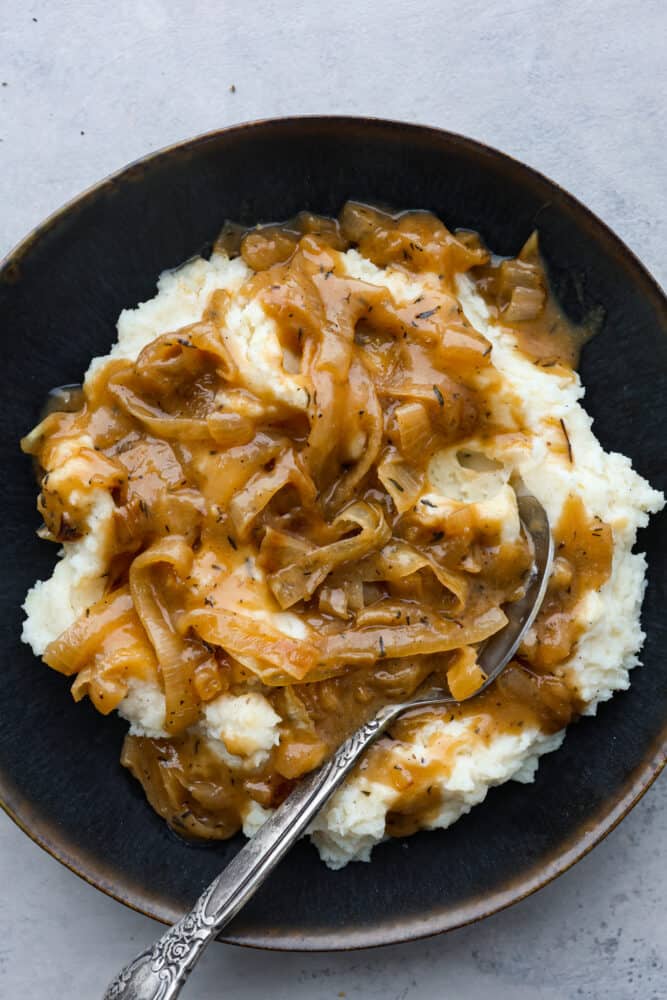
(520, 298)
(206, 491)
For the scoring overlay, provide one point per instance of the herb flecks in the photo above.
(427, 313)
(567, 440)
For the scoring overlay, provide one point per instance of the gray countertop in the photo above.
(575, 88)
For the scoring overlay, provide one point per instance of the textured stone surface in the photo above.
(576, 89)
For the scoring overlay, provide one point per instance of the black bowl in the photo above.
(60, 293)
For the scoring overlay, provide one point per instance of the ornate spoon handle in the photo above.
(160, 972)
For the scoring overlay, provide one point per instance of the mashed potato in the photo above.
(243, 730)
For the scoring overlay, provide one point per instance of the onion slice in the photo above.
(301, 579)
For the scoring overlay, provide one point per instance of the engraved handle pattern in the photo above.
(155, 973)
(160, 971)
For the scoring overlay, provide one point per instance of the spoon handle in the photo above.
(160, 971)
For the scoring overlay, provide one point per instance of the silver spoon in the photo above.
(160, 971)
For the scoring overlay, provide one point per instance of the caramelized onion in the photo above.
(228, 503)
(365, 404)
(245, 637)
(302, 578)
(414, 428)
(175, 357)
(280, 548)
(433, 635)
(525, 303)
(230, 429)
(158, 422)
(398, 560)
(416, 241)
(464, 675)
(104, 647)
(176, 656)
(249, 502)
(70, 651)
(400, 482)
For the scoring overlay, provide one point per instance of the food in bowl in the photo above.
(288, 498)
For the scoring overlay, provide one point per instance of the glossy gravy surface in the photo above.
(233, 507)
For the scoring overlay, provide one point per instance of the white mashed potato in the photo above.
(244, 729)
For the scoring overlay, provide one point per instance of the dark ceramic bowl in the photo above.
(60, 293)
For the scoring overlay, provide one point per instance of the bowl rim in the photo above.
(45, 834)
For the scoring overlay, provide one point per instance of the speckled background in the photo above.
(575, 88)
